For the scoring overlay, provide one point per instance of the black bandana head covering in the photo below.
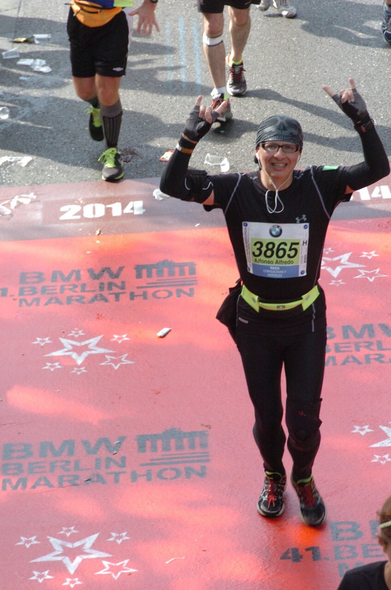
(280, 128)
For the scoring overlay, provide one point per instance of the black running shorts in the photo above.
(217, 6)
(99, 50)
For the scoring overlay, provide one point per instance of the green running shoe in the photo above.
(95, 124)
(113, 168)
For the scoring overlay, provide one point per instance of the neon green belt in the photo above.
(305, 301)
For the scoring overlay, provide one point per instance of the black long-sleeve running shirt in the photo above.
(278, 253)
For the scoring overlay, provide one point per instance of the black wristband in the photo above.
(185, 145)
(364, 125)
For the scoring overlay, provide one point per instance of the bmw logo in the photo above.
(275, 231)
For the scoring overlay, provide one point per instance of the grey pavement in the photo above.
(286, 61)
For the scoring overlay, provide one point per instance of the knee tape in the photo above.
(210, 41)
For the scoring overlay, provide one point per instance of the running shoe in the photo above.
(284, 8)
(95, 124)
(271, 501)
(264, 5)
(227, 114)
(386, 24)
(113, 168)
(236, 85)
(312, 507)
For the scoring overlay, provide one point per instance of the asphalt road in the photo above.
(287, 62)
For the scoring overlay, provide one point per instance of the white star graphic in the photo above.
(337, 283)
(124, 569)
(383, 459)
(68, 531)
(120, 339)
(79, 370)
(364, 275)
(42, 341)
(110, 360)
(76, 333)
(70, 345)
(60, 546)
(118, 537)
(387, 441)
(369, 255)
(28, 541)
(72, 582)
(21, 200)
(362, 429)
(52, 366)
(344, 263)
(41, 576)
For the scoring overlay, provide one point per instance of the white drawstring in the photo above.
(277, 199)
(276, 196)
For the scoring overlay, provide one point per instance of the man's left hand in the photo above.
(351, 102)
(146, 18)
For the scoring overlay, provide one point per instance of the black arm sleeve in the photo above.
(183, 183)
(375, 165)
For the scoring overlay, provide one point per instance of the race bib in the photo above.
(276, 251)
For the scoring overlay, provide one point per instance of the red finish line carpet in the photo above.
(128, 459)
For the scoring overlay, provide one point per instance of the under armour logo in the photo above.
(301, 219)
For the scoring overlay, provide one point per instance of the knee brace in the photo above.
(211, 41)
(302, 420)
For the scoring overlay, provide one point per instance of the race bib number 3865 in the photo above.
(276, 251)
